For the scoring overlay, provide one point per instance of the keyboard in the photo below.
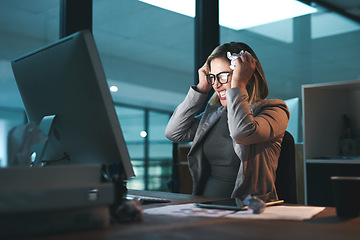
(147, 199)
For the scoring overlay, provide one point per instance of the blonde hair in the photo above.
(257, 87)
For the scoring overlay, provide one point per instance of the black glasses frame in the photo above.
(211, 78)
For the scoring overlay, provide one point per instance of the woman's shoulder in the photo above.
(270, 103)
(275, 102)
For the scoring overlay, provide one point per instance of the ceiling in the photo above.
(348, 8)
(149, 52)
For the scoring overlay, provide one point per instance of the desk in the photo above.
(156, 227)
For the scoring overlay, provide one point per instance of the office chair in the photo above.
(285, 182)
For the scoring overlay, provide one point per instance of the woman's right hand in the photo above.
(203, 85)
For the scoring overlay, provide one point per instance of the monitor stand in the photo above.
(38, 150)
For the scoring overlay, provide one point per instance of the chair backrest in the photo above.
(286, 173)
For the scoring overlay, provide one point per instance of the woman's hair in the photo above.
(257, 87)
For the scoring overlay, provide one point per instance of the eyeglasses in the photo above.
(222, 78)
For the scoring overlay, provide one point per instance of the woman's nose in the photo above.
(217, 84)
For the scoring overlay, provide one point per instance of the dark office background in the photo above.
(149, 54)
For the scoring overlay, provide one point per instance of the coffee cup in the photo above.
(346, 193)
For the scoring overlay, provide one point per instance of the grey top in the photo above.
(256, 130)
(224, 163)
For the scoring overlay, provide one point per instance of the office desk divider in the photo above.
(43, 200)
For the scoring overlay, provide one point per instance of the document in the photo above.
(297, 213)
(186, 210)
(281, 213)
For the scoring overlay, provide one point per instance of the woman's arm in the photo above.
(183, 124)
(268, 121)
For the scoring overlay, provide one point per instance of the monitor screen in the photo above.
(66, 80)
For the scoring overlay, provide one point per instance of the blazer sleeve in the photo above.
(267, 120)
(183, 124)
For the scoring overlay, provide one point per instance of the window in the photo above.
(160, 152)
(149, 150)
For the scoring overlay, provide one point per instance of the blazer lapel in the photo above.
(209, 118)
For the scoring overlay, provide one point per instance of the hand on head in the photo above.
(244, 69)
(203, 85)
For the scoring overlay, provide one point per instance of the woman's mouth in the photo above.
(222, 95)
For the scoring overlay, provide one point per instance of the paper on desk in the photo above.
(281, 213)
(186, 210)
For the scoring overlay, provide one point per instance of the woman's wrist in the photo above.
(202, 89)
(238, 84)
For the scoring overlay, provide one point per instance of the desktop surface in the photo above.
(325, 225)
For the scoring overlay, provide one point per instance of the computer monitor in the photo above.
(65, 82)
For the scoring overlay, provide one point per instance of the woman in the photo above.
(237, 139)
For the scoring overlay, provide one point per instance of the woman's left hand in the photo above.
(244, 69)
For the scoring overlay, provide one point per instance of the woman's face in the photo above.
(219, 66)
